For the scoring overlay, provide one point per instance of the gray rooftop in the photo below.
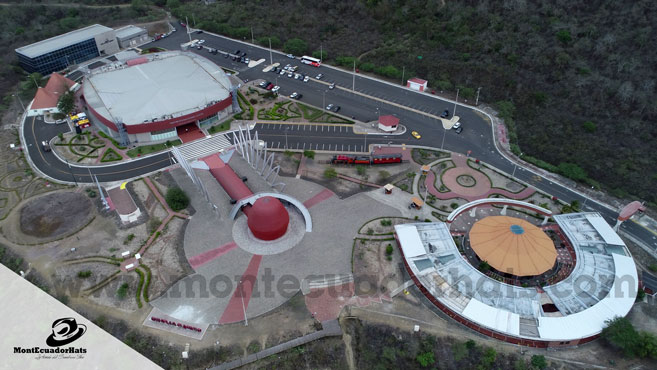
(129, 31)
(170, 84)
(61, 41)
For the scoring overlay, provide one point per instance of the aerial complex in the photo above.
(203, 189)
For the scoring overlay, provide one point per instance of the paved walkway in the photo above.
(481, 189)
(329, 329)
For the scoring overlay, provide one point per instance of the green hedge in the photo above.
(141, 283)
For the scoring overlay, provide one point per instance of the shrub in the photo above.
(288, 153)
(361, 170)
(128, 239)
(309, 154)
(330, 173)
(425, 359)
(84, 274)
(383, 174)
(122, 292)
(484, 266)
(389, 249)
(370, 231)
(539, 362)
(454, 205)
(653, 267)
(177, 199)
(386, 222)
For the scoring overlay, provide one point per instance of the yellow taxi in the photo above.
(416, 135)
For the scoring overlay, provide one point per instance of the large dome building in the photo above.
(152, 97)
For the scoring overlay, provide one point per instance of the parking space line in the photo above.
(342, 150)
(297, 145)
(304, 146)
(322, 146)
(349, 147)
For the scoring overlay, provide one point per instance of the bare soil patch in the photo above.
(55, 214)
(376, 272)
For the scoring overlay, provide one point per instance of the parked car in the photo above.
(295, 95)
(290, 75)
(336, 109)
(246, 60)
(237, 52)
(198, 31)
(270, 86)
(306, 79)
(201, 41)
(319, 76)
(275, 89)
(298, 76)
(244, 54)
(226, 55)
(329, 107)
(332, 86)
(294, 68)
(416, 135)
(282, 72)
(456, 125)
(290, 56)
(45, 146)
(263, 83)
(458, 130)
(445, 114)
(200, 47)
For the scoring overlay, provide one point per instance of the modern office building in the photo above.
(59, 52)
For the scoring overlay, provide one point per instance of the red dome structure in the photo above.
(267, 218)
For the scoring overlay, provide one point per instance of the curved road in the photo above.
(413, 109)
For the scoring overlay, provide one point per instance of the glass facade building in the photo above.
(61, 58)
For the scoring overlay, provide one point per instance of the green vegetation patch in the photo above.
(111, 156)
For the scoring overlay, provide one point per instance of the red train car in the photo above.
(375, 159)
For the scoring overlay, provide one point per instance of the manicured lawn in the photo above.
(148, 149)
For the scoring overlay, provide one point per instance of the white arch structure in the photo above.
(251, 199)
(506, 202)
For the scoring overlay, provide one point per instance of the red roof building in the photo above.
(417, 84)
(388, 123)
(46, 98)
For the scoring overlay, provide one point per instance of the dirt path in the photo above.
(349, 352)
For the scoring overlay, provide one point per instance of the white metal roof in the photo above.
(410, 240)
(171, 84)
(603, 228)
(129, 31)
(492, 317)
(61, 41)
(591, 321)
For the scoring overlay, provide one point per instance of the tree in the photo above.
(539, 362)
(295, 46)
(425, 359)
(620, 334)
(573, 171)
(177, 199)
(320, 54)
(330, 173)
(66, 103)
(589, 126)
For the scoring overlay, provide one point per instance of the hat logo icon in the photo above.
(65, 331)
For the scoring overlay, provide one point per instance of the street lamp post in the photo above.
(246, 320)
(19, 100)
(477, 99)
(456, 101)
(443, 143)
(271, 59)
(353, 83)
(71, 172)
(403, 70)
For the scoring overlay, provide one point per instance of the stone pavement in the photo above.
(481, 189)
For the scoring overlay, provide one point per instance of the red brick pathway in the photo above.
(207, 256)
(189, 132)
(318, 198)
(238, 304)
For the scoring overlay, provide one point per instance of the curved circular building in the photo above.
(544, 284)
(158, 96)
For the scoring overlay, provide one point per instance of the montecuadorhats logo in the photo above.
(65, 331)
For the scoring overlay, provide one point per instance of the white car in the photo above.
(275, 89)
(201, 41)
(319, 76)
(295, 95)
(329, 107)
(456, 125)
(282, 72)
(290, 75)
(306, 79)
(290, 56)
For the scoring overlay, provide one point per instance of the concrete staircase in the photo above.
(204, 147)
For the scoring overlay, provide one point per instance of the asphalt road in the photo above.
(476, 136)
